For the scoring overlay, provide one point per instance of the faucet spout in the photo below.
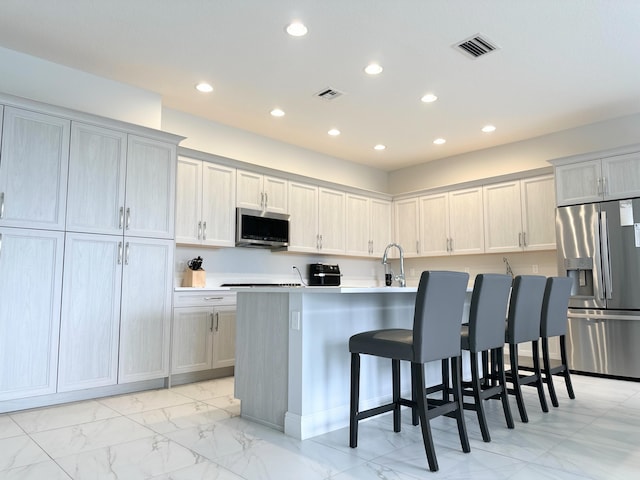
(400, 278)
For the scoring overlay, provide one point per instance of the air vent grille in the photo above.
(328, 94)
(476, 46)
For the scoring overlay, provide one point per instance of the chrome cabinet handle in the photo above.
(266, 200)
(126, 254)
(121, 220)
(519, 239)
(451, 245)
(217, 321)
(417, 246)
(211, 327)
(605, 186)
(0, 243)
(119, 253)
(213, 298)
(1, 204)
(128, 218)
(199, 230)
(204, 230)
(524, 239)
(320, 242)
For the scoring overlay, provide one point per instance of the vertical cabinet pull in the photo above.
(121, 218)
(128, 218)
(520, 239)
(211, 317)
(204, 230)
(262, 200)
(266, 200)
(119, 253)
(524, 239)
(126, 254)
(0, 244)
(217, 320)
(1, 204)
(199, 230)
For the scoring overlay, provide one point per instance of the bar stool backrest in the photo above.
(525, 306)
(555, 304)
(488, 311)
(438, 315)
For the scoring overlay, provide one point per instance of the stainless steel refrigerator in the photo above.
(599, 248)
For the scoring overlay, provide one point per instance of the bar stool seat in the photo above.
(435, 336)
(553, 323)
(523, 326)
(484, 334)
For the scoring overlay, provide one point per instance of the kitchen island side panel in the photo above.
(262, 356)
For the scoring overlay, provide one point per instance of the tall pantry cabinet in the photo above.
(108, 314)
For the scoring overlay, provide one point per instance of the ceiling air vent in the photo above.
(328, 94)
(476, 46)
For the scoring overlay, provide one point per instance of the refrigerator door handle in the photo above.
(606, 260)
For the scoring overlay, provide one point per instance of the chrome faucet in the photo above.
(400, 278)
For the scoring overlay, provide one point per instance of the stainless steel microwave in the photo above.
(255, 228)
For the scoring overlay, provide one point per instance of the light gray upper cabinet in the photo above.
(520, 215)
(150, 188)
(583, 179)
(303, 221)
(97, 170)
(120, 184)
(368, 225)
(261, 192)
(34, 159)
(406, 220)
(205, 203)
(30, 288)
(331, 221)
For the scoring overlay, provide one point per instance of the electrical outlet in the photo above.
(534, 268)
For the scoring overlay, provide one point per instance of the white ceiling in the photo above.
(560, 64)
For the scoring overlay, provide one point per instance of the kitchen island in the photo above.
(292, 356)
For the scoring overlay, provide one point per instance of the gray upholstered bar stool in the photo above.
(553, 323)
(435, 336)
(485, 333)
(523, 325)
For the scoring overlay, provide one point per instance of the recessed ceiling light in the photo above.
(204, 87)
(297, 29)
(276, 112)
(439, 141)
(379, 147)
(488, 128)
(334, 132)
(429, 97)
(373, 69)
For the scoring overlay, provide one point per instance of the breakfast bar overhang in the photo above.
(292, 358)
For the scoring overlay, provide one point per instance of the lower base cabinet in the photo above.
(30, 286)
(204, 331)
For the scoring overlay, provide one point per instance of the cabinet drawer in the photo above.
(207, 298)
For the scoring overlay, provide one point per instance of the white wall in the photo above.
(44, 81)
(212, 137)
(517, 157)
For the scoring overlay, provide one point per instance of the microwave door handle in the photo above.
(606, 260)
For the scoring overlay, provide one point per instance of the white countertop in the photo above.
(314, 290)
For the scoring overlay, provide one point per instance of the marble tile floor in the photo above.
(195, 432)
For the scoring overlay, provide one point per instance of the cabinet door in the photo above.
(150, 194)
(538, 213)
(622, 176)
(145, 316)
(189, 201)
(434, 225)
(33, 170)
(380, 226)
(192, 339)
(249, 190)
(89, 329)
(275, 195)
(224, 337)
(97, 164)
(579, 182)
(358, 225)
(30, 291)
(331, 221)
(218, 205)
(503, 217)
(303, 220)
(466, 221)
(406, 221)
